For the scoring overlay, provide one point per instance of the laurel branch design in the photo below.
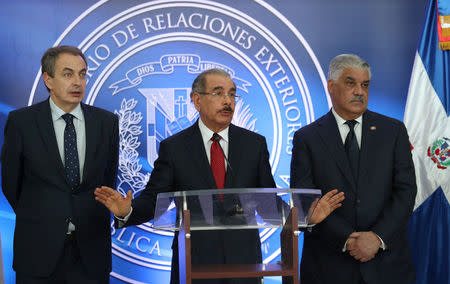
(242, 116)
(130, 176)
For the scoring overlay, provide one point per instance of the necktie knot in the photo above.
(216, 137)
(351, 123)
(68, 118)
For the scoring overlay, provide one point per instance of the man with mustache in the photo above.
(186, 162)
(55, 154)
(368, 157)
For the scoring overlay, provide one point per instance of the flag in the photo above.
(428, 123)
(443, 24)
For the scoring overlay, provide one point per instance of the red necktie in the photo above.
(217, 163)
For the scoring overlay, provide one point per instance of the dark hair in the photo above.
(199, 83)
(49, 58)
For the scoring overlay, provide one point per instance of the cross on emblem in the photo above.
(168, 111)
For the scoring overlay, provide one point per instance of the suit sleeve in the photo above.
(334, 229)
(161, 180)
(12, 161)
(265, 171)
(110, 176)
(301, 164)
(396, 213)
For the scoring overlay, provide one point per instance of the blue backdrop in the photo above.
(144, 55)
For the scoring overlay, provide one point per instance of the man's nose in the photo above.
(358, 90)
(227, 99)
(77, 80)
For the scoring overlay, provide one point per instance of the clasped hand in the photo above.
(363, 246)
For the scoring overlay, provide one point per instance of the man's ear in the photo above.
(48, 80)
(196, 100)
(330, 84)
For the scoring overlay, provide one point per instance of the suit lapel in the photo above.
(198, 156)
(367, 141)
(47, 130)
(233, 155)
(93, 132)
(331, 137)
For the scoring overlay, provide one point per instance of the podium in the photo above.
(229, 209)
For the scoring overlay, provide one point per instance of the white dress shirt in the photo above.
(206, 136)
(344, 129)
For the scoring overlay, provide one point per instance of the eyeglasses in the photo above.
(221, 95)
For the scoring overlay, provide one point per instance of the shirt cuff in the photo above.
(123, 220)
(345, 246)
(382, 245)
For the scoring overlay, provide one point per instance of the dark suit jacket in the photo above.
(183, 165)
(381, 200)
(34, 182)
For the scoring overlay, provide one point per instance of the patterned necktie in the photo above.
(71, 163)
(217, 162)
(352, 148)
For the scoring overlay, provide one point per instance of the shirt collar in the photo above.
(340, 121)
(208, 133)
(58, 112)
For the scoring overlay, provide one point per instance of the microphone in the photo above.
(217, 138)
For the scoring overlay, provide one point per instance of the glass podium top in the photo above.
(237, 208)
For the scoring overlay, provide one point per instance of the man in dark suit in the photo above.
(54, 155)
(186, 162)
(368, 157)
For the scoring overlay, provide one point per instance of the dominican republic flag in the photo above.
(428, 123)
